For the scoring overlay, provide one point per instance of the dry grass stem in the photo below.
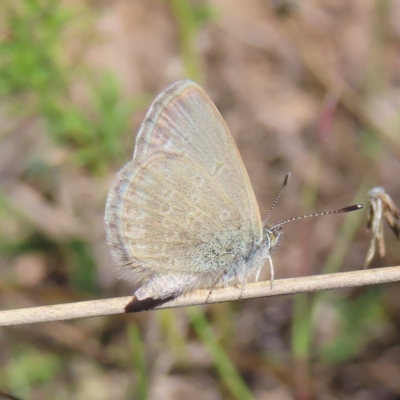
(117, 305)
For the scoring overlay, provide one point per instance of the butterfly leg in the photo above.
(215, 284)
(243, 288)
(258, 273)
(272, 271)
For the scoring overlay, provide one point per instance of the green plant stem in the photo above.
(187, 28)
(138, 356)
(229, 374)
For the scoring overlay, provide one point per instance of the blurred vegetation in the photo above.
(139, 360)
(360, 321)
(35, 71)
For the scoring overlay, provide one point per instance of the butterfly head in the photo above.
(271, 237)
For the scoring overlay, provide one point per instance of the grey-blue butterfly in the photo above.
(182, 213)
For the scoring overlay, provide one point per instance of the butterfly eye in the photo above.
(273, 239)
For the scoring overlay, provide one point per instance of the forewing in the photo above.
(183, 120)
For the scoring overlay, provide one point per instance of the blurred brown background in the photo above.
(309, 87)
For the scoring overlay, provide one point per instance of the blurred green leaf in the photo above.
(81, 266)
(370, 145)
(28, 368)
(361, 320)
(34, 72)
(301, 326)
(138, 356)
(31, 48)
(189, 20)
(226, 369)
(170, 329)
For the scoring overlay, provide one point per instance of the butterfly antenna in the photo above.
(342, 210)
(277, 198)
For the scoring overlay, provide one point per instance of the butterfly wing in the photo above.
(184, 206)
(184, 120)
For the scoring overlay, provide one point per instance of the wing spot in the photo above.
(174, 235)
(186, 139)
(166, 208)
(139, 214)
(225, 214)
(198, 180)
(193, 217)
(195, 199)
(167, 170)
(135, 234)
(218, 167)
(167, 194)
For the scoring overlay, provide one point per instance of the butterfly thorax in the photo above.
(261, 252)
(271, 237)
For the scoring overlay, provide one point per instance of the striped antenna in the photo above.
(342, 210)
(277, 198)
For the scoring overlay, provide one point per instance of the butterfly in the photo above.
(182, 213)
